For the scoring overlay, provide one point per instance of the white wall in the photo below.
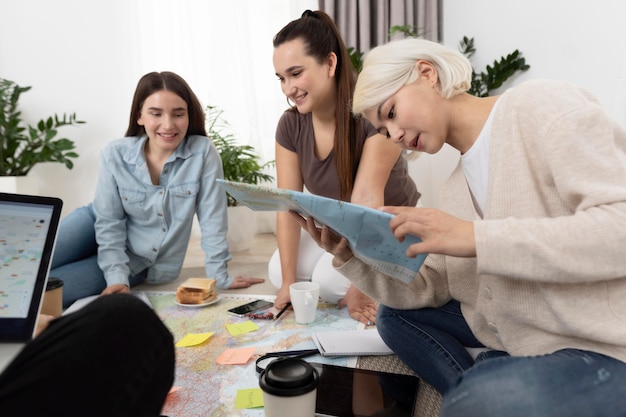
(574, 40)
(84, 56)
(87, 56)
(78, 57)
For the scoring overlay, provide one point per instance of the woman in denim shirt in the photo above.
(150, 185)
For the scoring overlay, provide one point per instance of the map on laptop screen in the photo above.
(23, 234)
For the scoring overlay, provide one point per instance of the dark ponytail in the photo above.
(321, 37)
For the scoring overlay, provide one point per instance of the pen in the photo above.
(280, 313)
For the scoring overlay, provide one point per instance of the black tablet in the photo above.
(351, 392)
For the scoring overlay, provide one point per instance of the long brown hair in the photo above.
(321, 37)
(159, 81)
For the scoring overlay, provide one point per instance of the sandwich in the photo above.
(196, 291)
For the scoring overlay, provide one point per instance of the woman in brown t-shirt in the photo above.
(321, 146)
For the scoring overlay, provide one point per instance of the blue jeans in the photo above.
(75, 258)
(431, 341)
(566, 383)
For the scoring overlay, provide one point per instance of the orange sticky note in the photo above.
(238, 356)
(241, 328)
(249, 398)
(194, 339)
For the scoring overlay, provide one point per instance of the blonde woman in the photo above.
(526, 253)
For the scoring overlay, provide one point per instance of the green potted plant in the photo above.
(22, 146)
(241, 163)
(492, 78)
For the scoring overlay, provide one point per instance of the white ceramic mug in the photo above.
(304, 297)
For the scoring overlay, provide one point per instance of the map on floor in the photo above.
(204, 387)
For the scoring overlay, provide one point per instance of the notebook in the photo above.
(28, 227)
(350, 343)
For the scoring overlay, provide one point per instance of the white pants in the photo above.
(314, 264)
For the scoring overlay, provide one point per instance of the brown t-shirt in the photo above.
(295, 133)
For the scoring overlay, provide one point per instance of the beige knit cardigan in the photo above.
(550, 270)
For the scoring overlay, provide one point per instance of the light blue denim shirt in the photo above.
(140, 225)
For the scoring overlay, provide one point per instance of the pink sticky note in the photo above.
(238, 356)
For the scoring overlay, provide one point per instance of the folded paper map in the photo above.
(367, 230)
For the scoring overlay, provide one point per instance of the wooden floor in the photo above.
(261, 250)
(249, 263)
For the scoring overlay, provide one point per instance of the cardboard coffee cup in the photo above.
(289, 388)
(53, 298)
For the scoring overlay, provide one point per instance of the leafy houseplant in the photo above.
(494, 76)
(241, 163)
(356, 57)
(22, 146)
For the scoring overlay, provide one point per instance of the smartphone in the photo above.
(250, 307)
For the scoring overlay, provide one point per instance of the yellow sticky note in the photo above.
(241, 328)
(249, 398)
(237, 356)
(194, 339)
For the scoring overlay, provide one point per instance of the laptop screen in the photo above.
(28, 226)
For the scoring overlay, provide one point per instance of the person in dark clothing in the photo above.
(114, 357)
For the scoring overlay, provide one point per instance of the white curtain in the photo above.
(224, 51)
